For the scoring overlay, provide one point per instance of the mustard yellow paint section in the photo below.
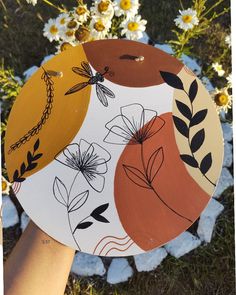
(67, 114)
(213, 142)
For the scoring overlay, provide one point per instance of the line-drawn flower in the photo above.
(133, 126)
(88, 158)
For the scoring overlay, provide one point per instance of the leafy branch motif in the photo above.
(194, 118)
(91, 161)
(46, 77)
(134, 126)
(18, 175)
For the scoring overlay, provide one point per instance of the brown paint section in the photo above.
(144, 217)
(66, 117)
(127, 72)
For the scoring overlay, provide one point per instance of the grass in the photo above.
(207, 270)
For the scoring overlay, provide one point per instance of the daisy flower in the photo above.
(228, 40)
(63, 19)
(187, 19)
(51, 30)
(5, 186)
(67, 35)
(134, 27)
(218, 68)
(126, 7)
(103, 8)
(222, 99)
(99, 28)
(81, 13)
(229, 79)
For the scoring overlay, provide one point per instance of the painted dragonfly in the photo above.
(102, 91)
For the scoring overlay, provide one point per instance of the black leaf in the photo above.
(15, 175)
(189, 160)
(206, 163)
(99, 210)
(193, 90)
(36, 145)
(36, 157)
(30, 157)
(101, 218)
(184, 109)
(22, 168)
(83, 225)
(181, 126)
(172, 80)
(197, 140)
(20, 179)
(198, 117)
(31, 166)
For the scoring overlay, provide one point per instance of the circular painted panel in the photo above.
(112, 154)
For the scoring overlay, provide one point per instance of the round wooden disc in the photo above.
(113, 154)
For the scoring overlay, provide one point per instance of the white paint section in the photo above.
(36, 192)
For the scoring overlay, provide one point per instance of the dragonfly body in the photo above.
(101, 90)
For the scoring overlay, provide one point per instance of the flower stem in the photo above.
(153, 189)
(72, 232)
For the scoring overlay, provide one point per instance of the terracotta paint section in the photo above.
(145, 218)
(127, 71)
(66, 118)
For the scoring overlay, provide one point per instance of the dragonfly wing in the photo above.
(76, 88)
(81, 72)
(106, 91)
(101, 95)
(85, 65)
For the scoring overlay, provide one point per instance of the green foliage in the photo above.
(10, 87)
(206, 15)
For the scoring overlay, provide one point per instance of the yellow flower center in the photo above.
(65, 46)
(53, 30)
(62, 21)
(99, 26)
(221, 99)
(72, 24)
(69, 33)
(103, 6)
(125, 4)
(81, 10)
(187, 19)
(4, 185)
(133, 26)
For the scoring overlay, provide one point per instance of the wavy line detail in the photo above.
(121, 250)
(112, 242)
(107, 237)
